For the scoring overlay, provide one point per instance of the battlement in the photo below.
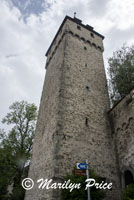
(84, 33)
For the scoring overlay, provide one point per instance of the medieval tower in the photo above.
(72, 124)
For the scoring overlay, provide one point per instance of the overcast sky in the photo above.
(27, 28)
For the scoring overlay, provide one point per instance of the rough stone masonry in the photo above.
(73, 122)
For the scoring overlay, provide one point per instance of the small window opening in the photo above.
(92, 35)
(86, 65)
(128, 176)
(86, 121)
(85, 48)
(87, 87)
(80, 70)
(78, 27)
(43, 130)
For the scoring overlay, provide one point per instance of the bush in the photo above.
(129, 193)
(81, 194)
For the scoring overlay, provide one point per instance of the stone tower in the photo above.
(72, 124)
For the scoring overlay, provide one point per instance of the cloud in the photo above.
(121, 12)
(22, 54)
(11, 55)
(98, 8)
(26, 34)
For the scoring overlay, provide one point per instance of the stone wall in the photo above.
(43, 161)
(122, 121)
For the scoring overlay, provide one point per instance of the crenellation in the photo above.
(77, 36)
(68, 29)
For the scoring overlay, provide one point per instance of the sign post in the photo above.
(79, 171)
(87, 172)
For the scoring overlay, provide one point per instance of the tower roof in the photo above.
(77, 21)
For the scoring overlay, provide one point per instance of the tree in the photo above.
(16, 146)
(6, 171)
(81, 194)
(121, 72)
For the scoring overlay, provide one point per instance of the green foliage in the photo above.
(16, 146)
(81, 194)
(6, 170)
(129, 193)
(18, 193)
(121, 73)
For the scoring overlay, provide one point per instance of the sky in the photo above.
(27, 28)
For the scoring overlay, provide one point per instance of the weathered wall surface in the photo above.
(72, 124)
(43, 160)
(122, 118)
(84, 121)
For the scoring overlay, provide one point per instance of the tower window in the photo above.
(79, 28)
(86, 121)
(86, 65)
(85, 48)
(128, 176)
(43, 130)
(92, 35)
(87, 87)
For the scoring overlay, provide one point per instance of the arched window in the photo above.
(128, 176)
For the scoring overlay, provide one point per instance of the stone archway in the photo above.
(128, 177)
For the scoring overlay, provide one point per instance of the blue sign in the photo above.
(81, 166)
